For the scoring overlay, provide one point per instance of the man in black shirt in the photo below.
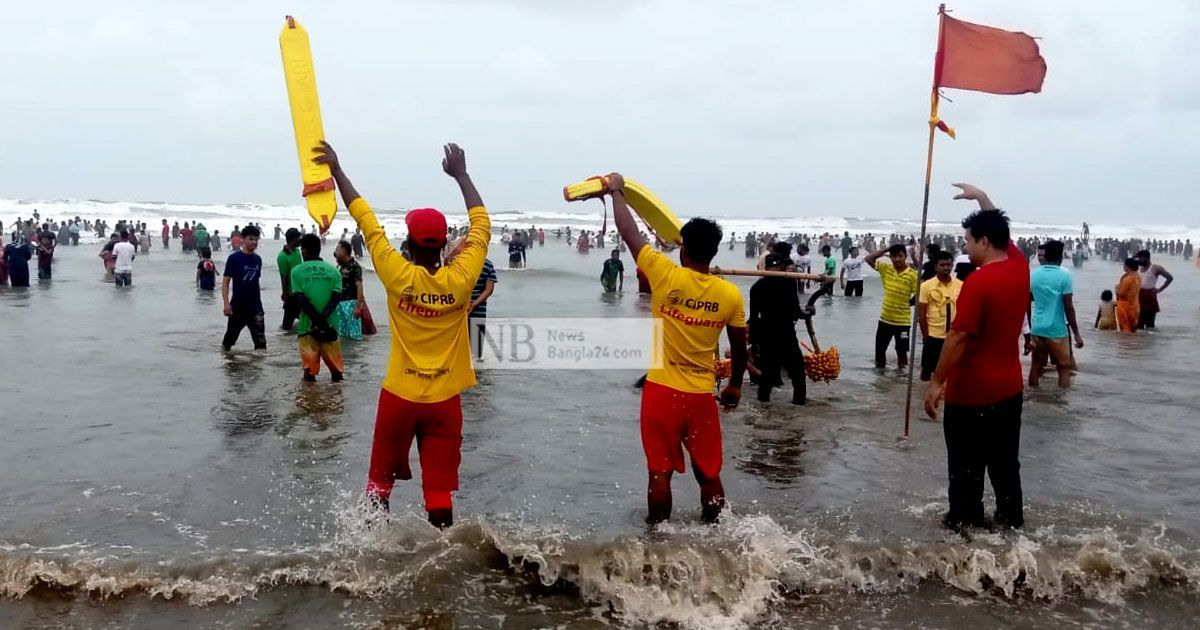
(774, 309)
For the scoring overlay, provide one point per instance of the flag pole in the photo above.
(933, 120)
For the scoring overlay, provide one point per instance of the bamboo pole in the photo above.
(912, 337)
(795, 275)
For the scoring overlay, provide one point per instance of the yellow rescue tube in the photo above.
(301, 81)
(651, 209)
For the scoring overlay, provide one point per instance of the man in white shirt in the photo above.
(803, 264)
(852, 275)
(124, 252)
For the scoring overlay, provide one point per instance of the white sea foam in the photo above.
(590, 217)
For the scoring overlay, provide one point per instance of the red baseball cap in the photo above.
(426, 227)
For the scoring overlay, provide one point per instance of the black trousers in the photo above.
(884, 335)
(978, 440)
(778, 352)
(243, 318)
(291, 311)
(826, 289)
(854, 288)
(931, 353)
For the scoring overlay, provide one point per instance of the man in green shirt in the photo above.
(900, 286)
(288, 259)
(316, 286)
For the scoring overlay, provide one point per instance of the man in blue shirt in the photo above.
(243, 269)
(1051, 313)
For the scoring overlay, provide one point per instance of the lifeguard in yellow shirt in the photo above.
(430, 363)
(679, 410)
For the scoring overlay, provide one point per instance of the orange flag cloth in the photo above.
(985, 59)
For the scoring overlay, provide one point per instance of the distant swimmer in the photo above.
(243, 271)
(852, 274)
(106, 254)
(516, 252)
(16, 257)
(430, 363)
(612, 273)
(206, 271)
(678, 409)
(123, 254)
(1106, 316)
(1148, 296)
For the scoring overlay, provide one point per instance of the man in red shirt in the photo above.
(980, 372)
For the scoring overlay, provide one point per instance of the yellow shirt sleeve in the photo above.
(655, 265)
(737, 319)
(389, 264)
(469, 263)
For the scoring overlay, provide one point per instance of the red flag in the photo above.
(985, 59)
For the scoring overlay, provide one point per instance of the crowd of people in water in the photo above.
(439, 282)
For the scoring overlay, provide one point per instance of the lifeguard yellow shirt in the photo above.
(694, 308)
(431, 354)
(937, 296)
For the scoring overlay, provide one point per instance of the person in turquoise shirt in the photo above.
(1052, 317)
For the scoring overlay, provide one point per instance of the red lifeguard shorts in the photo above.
(437, 428)
(672, 421)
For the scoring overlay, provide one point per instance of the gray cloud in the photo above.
(766, 108)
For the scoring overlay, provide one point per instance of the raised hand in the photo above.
(455, 162)
(615, 182)
(326, 155)
(974, 193)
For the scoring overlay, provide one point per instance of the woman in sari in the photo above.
(1127, 297)
(351, 307)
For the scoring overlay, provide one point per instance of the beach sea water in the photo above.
(149, 480)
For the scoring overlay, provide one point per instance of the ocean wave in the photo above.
(693, 576)
(224, 216)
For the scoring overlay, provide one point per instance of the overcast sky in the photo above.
(787, 108)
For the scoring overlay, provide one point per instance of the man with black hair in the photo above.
(980, 373)
(852, 274)
(288, 258)
(430, 363)
(243, 270)
(900, 286)
(935, 311)
(774, 309)
(123, 254)
(1051, 313)
(316, 286)
(929, 269)
(678, 410)
(612, 273)
(1148, 297)
(829, 268)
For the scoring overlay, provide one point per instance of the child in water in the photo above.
(1106, 318)
(206, 271)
